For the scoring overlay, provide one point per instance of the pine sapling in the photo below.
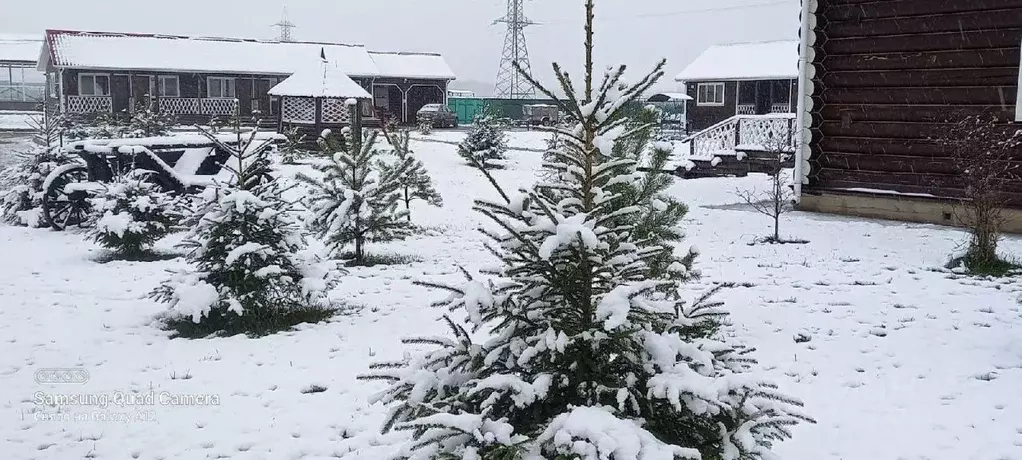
(21, 185)
(132, 214)
(250, 270)
(355, 201)
(581, 339)
(415, 182)
(485, 146)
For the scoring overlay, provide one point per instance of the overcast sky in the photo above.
(633, 32)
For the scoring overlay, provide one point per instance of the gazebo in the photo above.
(319, 97)
(674, 108)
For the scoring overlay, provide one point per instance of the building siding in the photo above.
(701, 117)
(888, 78)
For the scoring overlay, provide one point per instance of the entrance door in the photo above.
(120, 93)
(142, 89)
(763, 97)
(261, 98)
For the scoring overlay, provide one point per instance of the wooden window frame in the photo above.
(161, 87)
(233, 86)
(81, 76)
(707, 103)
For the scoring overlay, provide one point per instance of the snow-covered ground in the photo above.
(12, 120)
(903, 361)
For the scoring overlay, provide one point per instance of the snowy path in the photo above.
(902, 362)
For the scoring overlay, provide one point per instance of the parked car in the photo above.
(439, 115)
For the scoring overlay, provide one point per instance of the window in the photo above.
(90, 84)
(220, 87)
(710, 94)
(170, 86)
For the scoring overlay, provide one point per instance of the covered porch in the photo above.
(763, 97)
(189, 96)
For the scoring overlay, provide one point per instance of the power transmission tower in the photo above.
(285, 26)
(510, 84)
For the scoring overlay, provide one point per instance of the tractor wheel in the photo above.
(64, 208)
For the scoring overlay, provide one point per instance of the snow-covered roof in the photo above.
(411, 65)
(745, 61)
(323, 80)
(20, 48)
(123, 51)
(669, 97)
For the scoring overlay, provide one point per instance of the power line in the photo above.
(678, 13)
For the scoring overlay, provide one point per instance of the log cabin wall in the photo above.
(889, 75)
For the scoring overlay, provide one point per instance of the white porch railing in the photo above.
(746, 109)
(89, 104)
(745, 132)
(179, 105)
(780, 108)
(219, 106)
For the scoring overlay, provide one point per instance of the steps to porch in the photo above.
(738, 146)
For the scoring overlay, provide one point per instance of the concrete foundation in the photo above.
(902, 208)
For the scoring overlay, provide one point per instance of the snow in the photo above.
(412, 65)
(905, 360)
(106, 50)
(198, 54)
(115, 223)
(744, 61)
(20, 48)
(243, 250)
(886, 192)
(669, 97)
(15, 120)
(325, 79)
(594, 433)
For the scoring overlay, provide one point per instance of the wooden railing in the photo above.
(745, 133)
(180, 105)
(746, 109)
(780, 108)
(89, 104)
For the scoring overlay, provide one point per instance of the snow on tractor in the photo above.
(178, 164)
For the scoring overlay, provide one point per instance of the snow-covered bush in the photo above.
(250, 268)
(426, 127)
(356, 200)
(485, 144)
(415, 183)
(585, 352)
(21, 184)
(149, 123)
(131, 215)
(292, 149)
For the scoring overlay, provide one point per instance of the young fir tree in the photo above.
(146, 122)
(356, 201)
(415, 182)
(249, 270)
(21, 185)
(132, 215)
(485, 144)
(659, 222)
(583, 343)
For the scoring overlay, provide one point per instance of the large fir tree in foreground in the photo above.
(590, 353)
